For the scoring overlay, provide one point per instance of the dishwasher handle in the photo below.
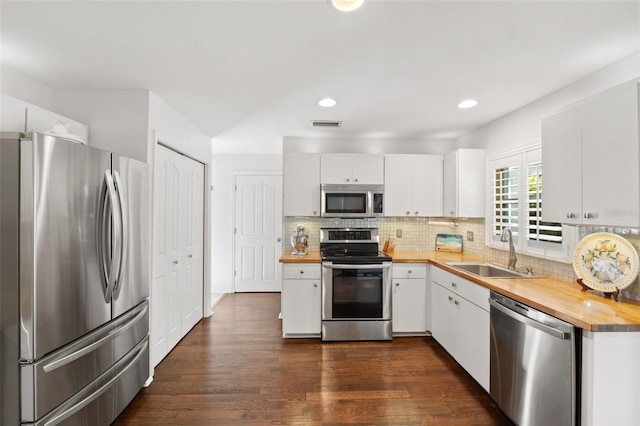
(523, 319)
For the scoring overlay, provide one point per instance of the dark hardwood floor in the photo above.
(235, 368)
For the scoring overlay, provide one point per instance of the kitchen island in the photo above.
(610, 379)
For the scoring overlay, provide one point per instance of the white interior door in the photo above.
(192, 223)
(258, 230)
(178, 230)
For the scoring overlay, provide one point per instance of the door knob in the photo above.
(279, 239)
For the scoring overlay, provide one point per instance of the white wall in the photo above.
(118, 119)
(22, 87)
(522, 126)
(225, 168)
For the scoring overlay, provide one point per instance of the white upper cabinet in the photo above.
(301, 184)
(352, 169)
(413, 185)
(590, 159)
(464, 183)
(562, 167)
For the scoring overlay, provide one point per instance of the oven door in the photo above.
(356, 292)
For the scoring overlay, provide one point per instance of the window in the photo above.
(537, 229)
(517, 202)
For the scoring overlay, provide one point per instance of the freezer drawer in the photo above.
(52, 380)
(99, 403)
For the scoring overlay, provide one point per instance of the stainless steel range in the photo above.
(356, 285)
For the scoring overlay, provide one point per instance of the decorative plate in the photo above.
(606, 262)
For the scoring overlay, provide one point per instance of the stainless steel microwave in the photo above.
(352, 200)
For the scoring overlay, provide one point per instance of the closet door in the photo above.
(178, 229)
(191, 247)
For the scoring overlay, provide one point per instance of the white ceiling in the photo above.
(256, 69)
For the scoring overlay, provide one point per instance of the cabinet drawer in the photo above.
(310, 271)
(409, 270)
(471, 291)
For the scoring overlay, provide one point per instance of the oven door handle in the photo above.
(369, 266)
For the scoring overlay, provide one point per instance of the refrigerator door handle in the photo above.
(124, 232)
(111, 334)
(109, 264)
(57, 418)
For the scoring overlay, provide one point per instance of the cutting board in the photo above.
(449, 242)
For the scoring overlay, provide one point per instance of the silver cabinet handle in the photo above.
(301, 271)
(416, 212)
(408, 212)
(450, 299)
(279, 239)
(315, 285)
(315, 212)
(410, 271)
(355, 180)
(190, 256)
(590, 215)
(571, 215)
(454, 284)
(397, 284)
(348, 180)
(456, 302)
(175, 262)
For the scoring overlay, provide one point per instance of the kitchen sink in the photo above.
(487, 270)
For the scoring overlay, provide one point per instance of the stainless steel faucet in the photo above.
(507, 235)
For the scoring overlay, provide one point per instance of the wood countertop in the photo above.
(562, 299)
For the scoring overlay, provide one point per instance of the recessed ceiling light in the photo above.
(327, 102)
(467, 103)
(347, 5)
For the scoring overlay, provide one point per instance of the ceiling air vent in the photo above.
(325, 123)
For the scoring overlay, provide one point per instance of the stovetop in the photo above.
(351, 246)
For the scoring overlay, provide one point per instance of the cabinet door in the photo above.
(610, 178)
(450, 185)
(335, 168)
(443, 318)
(471, 183)
(409, 301)
(398, 185)
(368, 169)
(561, 160)
(301, 184)
(300, 307)
(427, 185)
(464, 182)
(472, 340)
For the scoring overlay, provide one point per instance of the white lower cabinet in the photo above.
(301, 300)
(460, 322)
(409, 299)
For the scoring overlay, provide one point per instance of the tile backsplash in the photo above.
(420, 234)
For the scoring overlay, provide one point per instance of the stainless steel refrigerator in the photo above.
(74, 271)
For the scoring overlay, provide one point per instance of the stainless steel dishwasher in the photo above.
(535, 361)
